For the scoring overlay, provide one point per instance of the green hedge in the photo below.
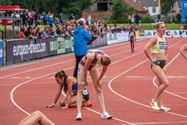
(168, 26)
(147, 19)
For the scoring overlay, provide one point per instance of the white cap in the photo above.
(83, 20)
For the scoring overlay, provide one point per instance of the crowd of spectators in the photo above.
(54, 26)
(36, 26)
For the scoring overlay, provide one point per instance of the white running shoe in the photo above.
(79, 117)
(154, 105)
(165, 109)
(105, 115)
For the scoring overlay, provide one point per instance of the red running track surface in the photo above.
(128, 87)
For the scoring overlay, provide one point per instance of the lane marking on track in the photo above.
(177, 77)
(54, 64)
(14, 89)
(133, 101)
(170, 122)
(51, 58)
(20, 108)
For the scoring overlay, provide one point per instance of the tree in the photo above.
(54, 6)
(166, 6)
(5, 2)
(120, 11)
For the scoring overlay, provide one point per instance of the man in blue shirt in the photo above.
(81, 40)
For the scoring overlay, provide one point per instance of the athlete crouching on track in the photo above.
(156, 51)
(70, 87)
(36, 118)
(93, 61)
(183, 51)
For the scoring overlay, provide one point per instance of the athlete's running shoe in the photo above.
(79, 117)
(154, 105)
(165, 109)
(87, 104)
(105, 115)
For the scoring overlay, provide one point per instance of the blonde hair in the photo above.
(157, 25)
(105, 60)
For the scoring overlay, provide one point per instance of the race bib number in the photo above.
(163, 46)
(85, 92)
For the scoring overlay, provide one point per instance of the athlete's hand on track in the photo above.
(50, 106)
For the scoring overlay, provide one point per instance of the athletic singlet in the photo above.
(93, 63)
(160, 45)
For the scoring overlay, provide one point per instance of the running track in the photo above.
(128, 87)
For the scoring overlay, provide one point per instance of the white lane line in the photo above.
(18, 73)
(110, 87)
(152, 123)
(32, 62)
(46, 59)
(13, 90)
(34, 69)
(133, 101)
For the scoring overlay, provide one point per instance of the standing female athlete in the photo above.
(183, 51)
(70, 87)
(93, 61)
(132, 37)
(156, 51)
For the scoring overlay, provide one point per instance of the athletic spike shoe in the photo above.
(165, 109)
(106, 116)
(154, 105)
(79, 117)
(87, 104)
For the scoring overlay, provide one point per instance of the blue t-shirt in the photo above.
(81, 37)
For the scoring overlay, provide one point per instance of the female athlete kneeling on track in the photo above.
(93, 61)
(183, 51)
(70, 87)
(36, 118)
(156, 51)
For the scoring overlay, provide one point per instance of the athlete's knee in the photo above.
(166, 82)
(99, 88)
(167, 85)
(37, 113)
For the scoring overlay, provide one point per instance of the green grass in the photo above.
(144, 26)
(168, 26)
(150, 26)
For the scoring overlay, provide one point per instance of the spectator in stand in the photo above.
(24, 17)
(29, 33)
(45, 18)
(21, 33)
(81, 40)
(89, 20)
(60, 17)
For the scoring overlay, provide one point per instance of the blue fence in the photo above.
(1, 52)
